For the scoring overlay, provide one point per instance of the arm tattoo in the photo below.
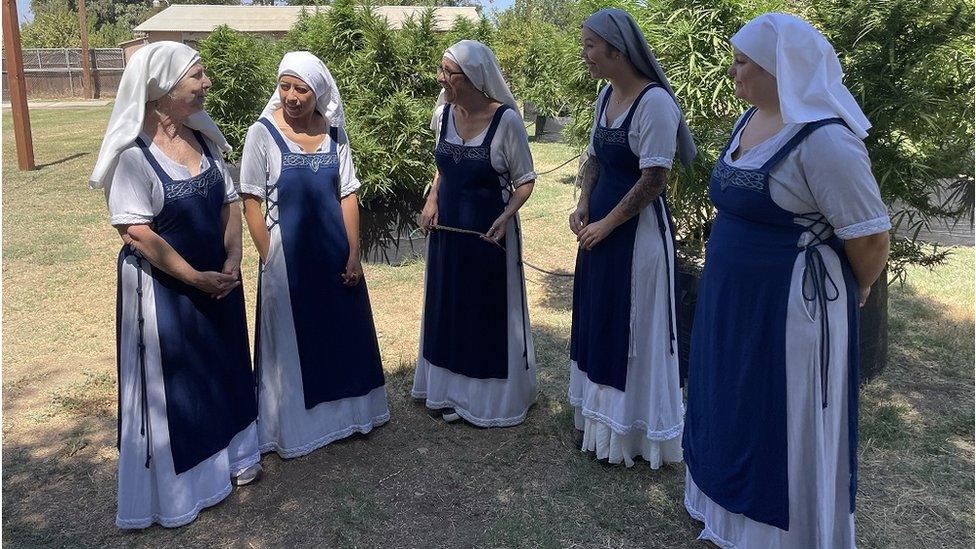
(650, 186)
(588, 176)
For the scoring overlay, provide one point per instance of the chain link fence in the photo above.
(57, 73)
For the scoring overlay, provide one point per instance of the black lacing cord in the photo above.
(145, 428)
(815, 271)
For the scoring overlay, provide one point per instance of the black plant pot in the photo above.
(873, 324)
(388, 229)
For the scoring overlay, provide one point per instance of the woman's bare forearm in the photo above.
(868, 256)
(590, 173)
(158, 252)
(350, 218)
(254, 216)
(230, 215)
(651, 184)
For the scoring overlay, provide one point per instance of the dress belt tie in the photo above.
(145, 428)
(820, 287)
(662, 225)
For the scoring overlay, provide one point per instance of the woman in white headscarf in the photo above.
(320, 377)
(186, 391)
(476, 358)
(624, 365)
(801, 234)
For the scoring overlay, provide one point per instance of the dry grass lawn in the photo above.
(417, 482)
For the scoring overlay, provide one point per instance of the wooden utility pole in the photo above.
(18, 88)
(86, 76)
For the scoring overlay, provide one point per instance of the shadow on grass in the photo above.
(420, 482)
(62, 161)
(916, 455)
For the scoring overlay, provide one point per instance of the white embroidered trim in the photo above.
(304, 449)
(620, 429)
(174, 522)
(524, 179)
(707, 533)
(248, 188)
(349, 188)
(864, 228)
(655, 161)
(239, 466)
(480, 422)
(130, 219)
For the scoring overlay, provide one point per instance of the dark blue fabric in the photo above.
(466, 293)
(337, 345)
(735, 440)
(600, 337)
(203, 341)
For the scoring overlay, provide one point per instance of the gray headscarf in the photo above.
(619, 29)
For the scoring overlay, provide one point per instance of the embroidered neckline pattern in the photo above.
(458, 152)
(730, 176)
(195, 186)
(313, 161)
(611, 136)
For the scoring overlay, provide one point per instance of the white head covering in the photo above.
(480, 65)
(311, 70)
(619, 29)
(151, 73)
(808, 74)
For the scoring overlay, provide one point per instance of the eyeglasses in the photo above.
(441, 69)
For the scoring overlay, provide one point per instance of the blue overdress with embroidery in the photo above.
(337, 345)
(466, 299)
(600, 339)
(735, 438)
(203, 346)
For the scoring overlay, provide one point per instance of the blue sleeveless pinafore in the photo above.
(337, 345)
(600, 343)
(466, 303)
(735, 439)
(203, 346)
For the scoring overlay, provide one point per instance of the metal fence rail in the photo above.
(54, 72)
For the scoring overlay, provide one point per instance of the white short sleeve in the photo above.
(348, 182)
(130, 195)
(653, 134)
(230, 189)
(510, 153)
(596, 120)
(254, 162)
(655, 129)
(837, 169)
(512, 142)
(261, 161)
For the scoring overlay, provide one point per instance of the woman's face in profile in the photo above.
(597, 54)
(189, 93)
(752, 82)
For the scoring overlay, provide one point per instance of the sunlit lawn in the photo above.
(418, 482)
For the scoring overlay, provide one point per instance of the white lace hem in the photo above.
(864, 228)
(175, 522)
(254, 190)
(469, 417)
(621, 429)
(298, 451)
(655, 162)
(707, 533)
(130, 219)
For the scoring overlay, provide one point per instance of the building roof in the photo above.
(204, 18)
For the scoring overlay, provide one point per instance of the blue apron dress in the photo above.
(466, 309)
(735, 439)
(601, 340)
(337, 346)
(203, 346)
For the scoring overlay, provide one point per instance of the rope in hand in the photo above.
(499, 246)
